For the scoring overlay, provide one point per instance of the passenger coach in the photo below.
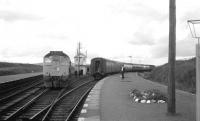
(101, 67)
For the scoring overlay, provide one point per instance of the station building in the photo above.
(80, 64)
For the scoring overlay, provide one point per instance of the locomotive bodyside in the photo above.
(56, 69)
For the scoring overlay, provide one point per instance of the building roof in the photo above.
(58, 53)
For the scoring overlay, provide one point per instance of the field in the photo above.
(18, 68)
(185, 75)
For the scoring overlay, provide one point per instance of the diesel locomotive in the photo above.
(101, 67)
(56, 69)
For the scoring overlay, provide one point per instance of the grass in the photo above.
(18, 68)
(185, 75)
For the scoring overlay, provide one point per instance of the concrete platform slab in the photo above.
(92, 104)
(109, 100)
(4, 79)
(117, 105)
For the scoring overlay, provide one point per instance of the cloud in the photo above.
(184, 48)
(141, 38)
(160, 49)
(149, 14)
(193, 14)
(54, 36)
(11, 16)
(26, 52)
(139, 10)
(137, 28)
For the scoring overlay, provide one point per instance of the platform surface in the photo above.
(113, 102)
(4, 79)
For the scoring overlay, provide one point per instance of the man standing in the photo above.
(122, 71)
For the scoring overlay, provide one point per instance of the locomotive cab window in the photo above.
(47, 60)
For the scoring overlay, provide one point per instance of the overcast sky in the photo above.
(114, 29)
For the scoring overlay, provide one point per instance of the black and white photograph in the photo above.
(99, 60)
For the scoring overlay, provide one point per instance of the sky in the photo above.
(124, 30)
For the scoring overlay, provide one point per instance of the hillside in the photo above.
(18, 68)
(185, 75)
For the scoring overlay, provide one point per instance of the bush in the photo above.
(185, 75)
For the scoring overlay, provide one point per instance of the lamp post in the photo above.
(194, 26)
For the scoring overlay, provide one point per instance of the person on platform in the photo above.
(122, 72)
(75, 73)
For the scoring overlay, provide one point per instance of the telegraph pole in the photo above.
(172, 57)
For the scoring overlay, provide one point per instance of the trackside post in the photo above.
(171, 103)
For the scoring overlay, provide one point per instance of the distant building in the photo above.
(81, 67)
(80, 58)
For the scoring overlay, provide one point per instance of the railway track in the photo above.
(63, 107)
(12, 103)
(15, 95)
(36, 103)
(41, 105)
(80, 80)
(14, 86)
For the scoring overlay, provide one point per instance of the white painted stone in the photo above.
(148, 101)
(161, 101)
(143, 101)
(136, 100)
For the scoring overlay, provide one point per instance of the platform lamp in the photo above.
(194, 26)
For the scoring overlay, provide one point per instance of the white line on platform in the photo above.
(84, 111)
(81, 119)
(85, 105)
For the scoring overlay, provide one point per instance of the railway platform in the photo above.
(109, 100)
(9, 78)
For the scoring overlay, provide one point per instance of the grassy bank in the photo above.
(185, 75)
(18, 68)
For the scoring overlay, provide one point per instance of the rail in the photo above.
(47, 115)
(18, 92)
(77, 104)
(14, 114)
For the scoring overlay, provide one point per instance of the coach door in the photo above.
(97, 66)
